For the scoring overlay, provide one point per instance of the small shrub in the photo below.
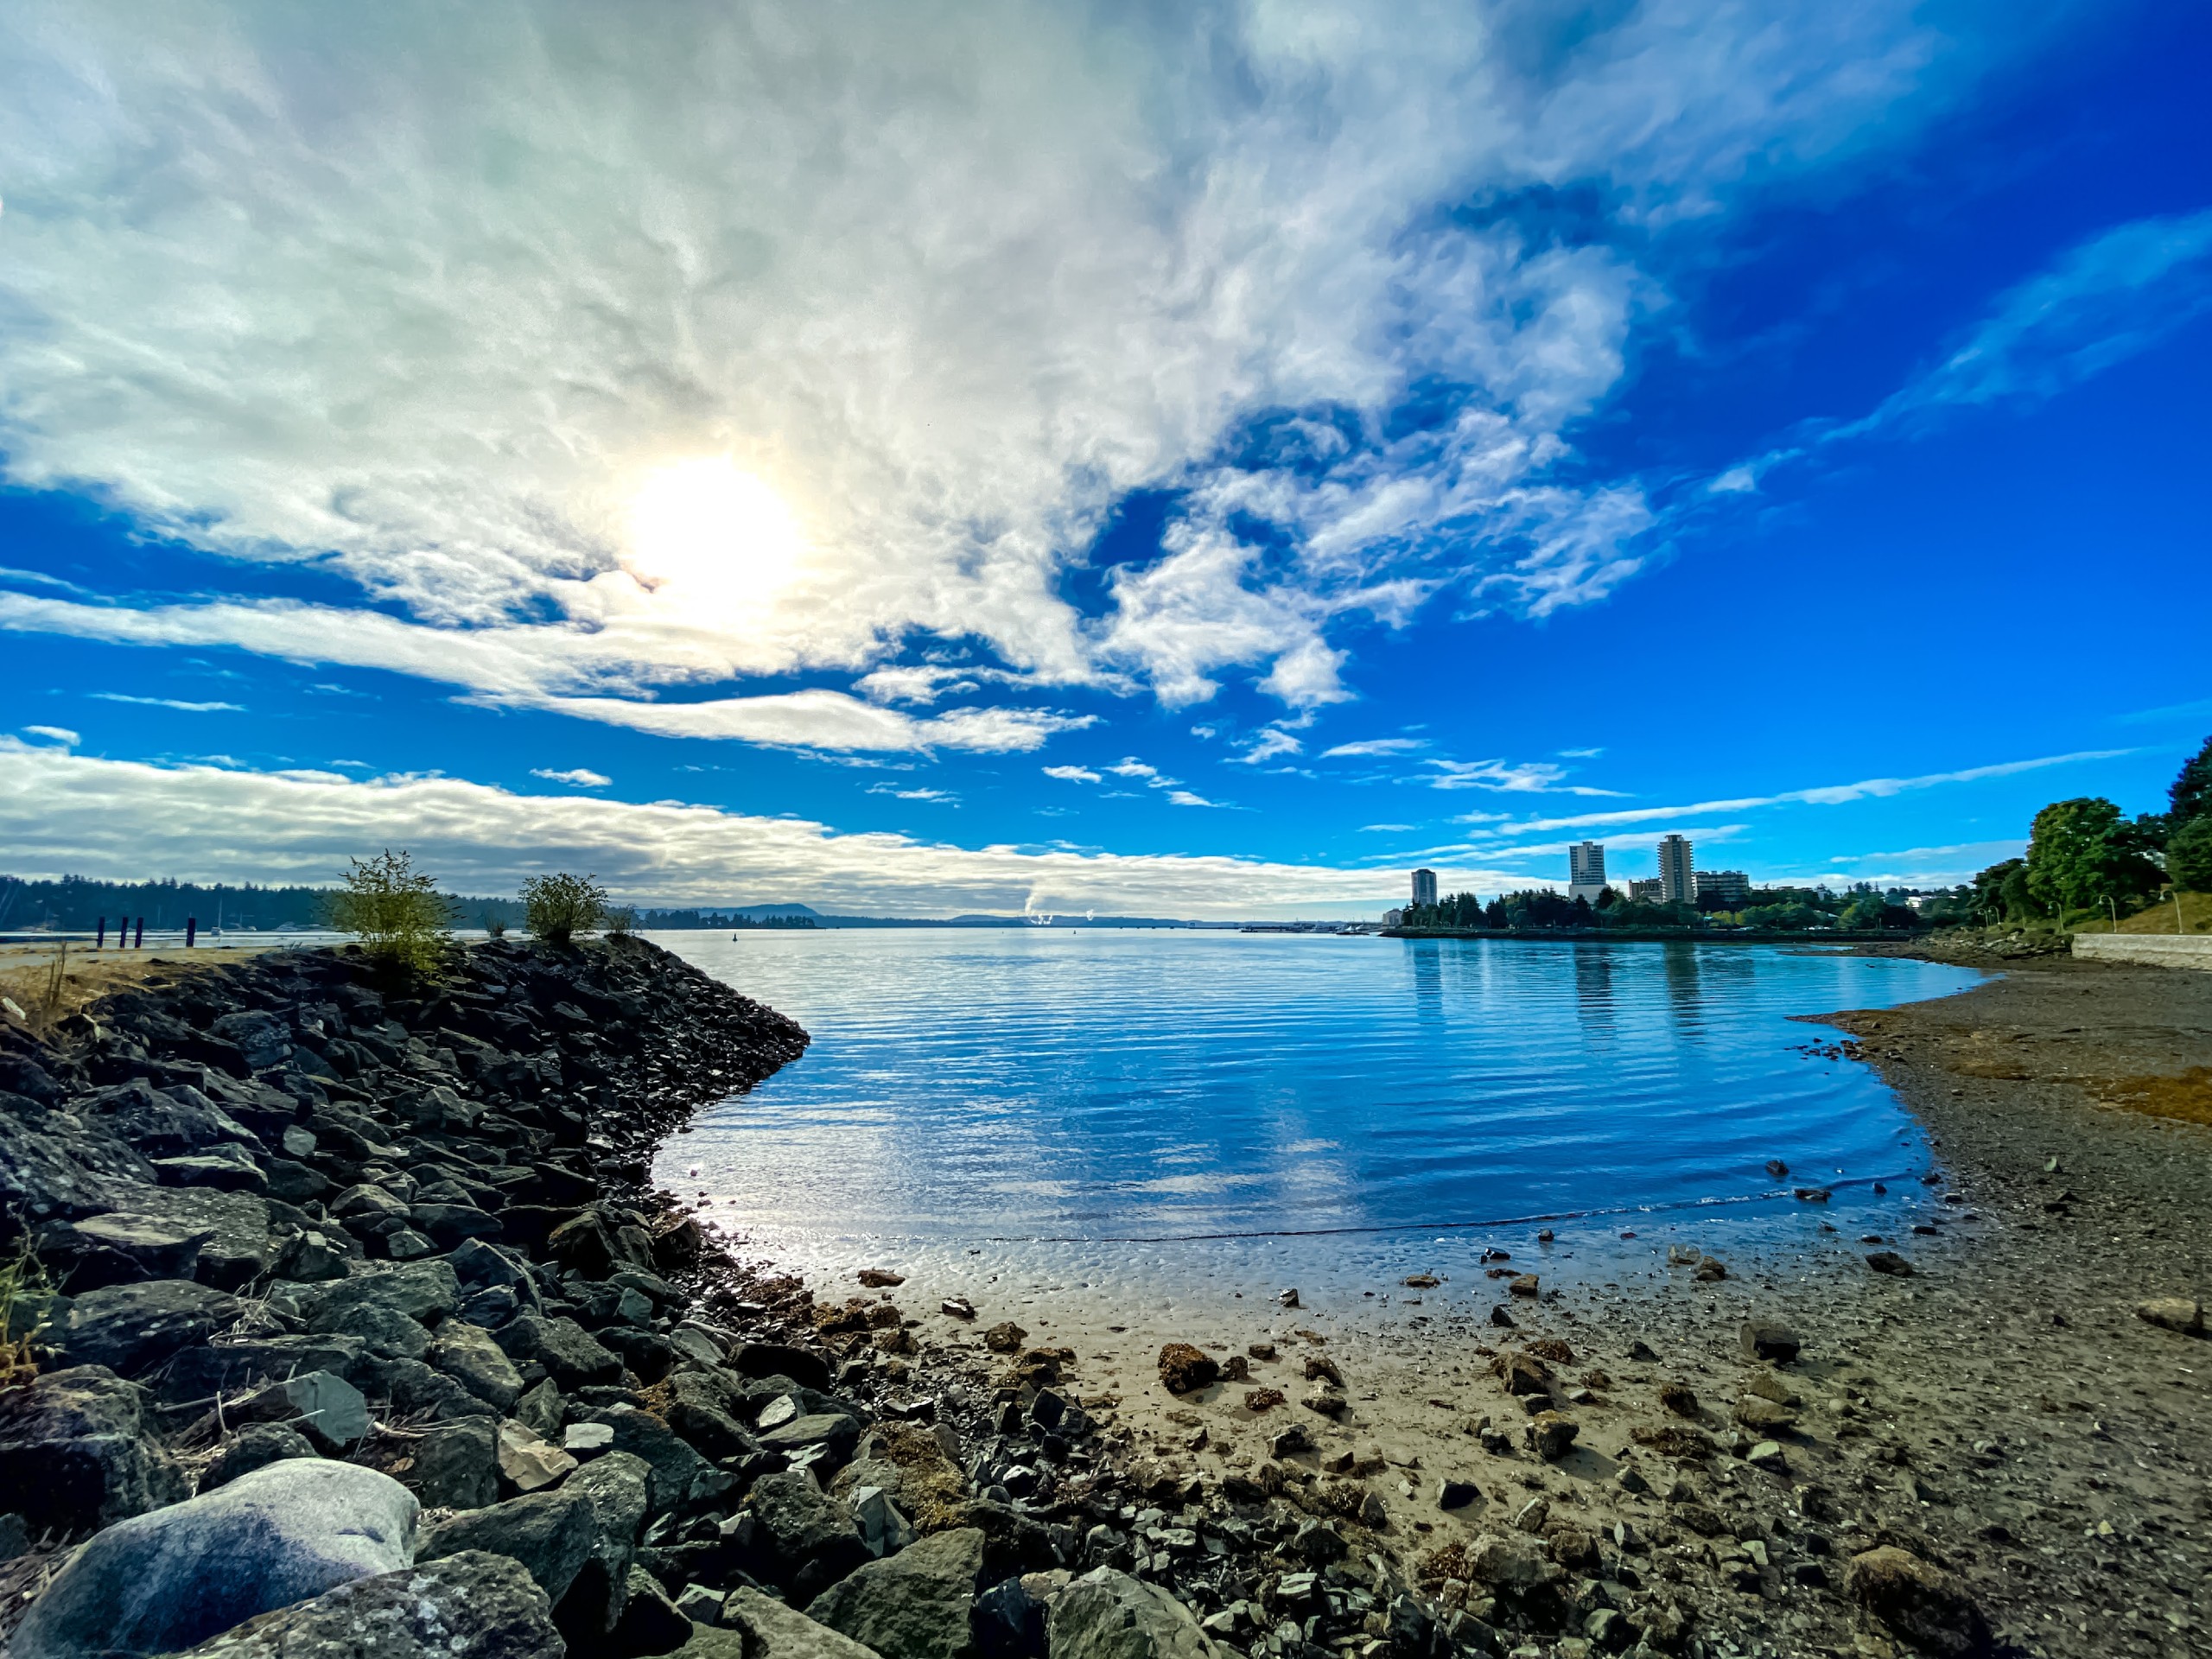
(494, 927)
(620, 921)
(396, 912)
(22, 1286)
(559, 906)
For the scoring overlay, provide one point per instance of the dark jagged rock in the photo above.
(255, 1447)
(76, 1453)
(470, 1606)
(130, 1329)
(551, 1534)
(916, 1604)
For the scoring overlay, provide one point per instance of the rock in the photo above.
(1755, 1412)
(324, 1407)
(649, 1623)
(1921, 1603)
(587, 1439)
(1777, 1168)
(1510, 1561)
(764, 1359)
(1768, 1339)
(618, 1488)
(467, 1606)
(76, 1451)
(2179, 1313)
(457, 1466)
(1813, 1194)
(382, 1330)
(675, 1467)
(1642, 1352)
(1524, 1284)
(131, 1329)
(1891, 1262)
(1287, 1298)
(833, 1431)
(883, 1530)
(760, 1627)
(1768, 1455)
(1679, 1398)
(163, 1581)
(423, 1291)
(255, 1447)
(1319, 1542)
(1711, 1271)
(1108, 1615)
(881, 1278)
(163, 1123)
(1457, 1494)
(1005, 1338)
(1289, 1442)
(549, 1533)
(120, 1248)
(809, 1540)
(700, 1605)
(958, 1307)
(528, 1461)
(543, 1409)
(1551, 1434)
(910, 1605)
(467, 1354)
(1183, 1369)
(564, 1348)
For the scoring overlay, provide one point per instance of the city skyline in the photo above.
(1180, 462)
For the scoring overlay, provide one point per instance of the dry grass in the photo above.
(50, 984)
(2195, 915)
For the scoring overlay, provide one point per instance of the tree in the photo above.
(2081, 852)
(2189, 854)
(559, 906)
(2191, 797)
(395, 911)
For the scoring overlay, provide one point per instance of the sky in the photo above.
(1183, 460)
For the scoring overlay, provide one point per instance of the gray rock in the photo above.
(324, 1407)
(120, 1248)
(239, 1247)
(649, 1623)
(467, 1353)
(76, 1451)
(675, 1467)
(226, 1167)
(413, 1387)
(163, 1581)
(425, 1291)
(479, 1265)
(883, 1528)
(457, 1467)
(382, 1330)
(616, 1487)
(565, 1349)
(262, 1037)
(1768, 1339)
(1108, 1615)
(755, 1626)
(542, 1408)
(809, 1541)
(199, 1373)
(700, 1605)
(255, 1447)
(162, 1122)
(130, 1329)
(549, 1533)
(467, 1606)
(913, 1604)
(835, 1432)
(528, 1461)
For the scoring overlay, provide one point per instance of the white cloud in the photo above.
(1129, 766)
(169, 702)
(55, 734)
(583, 777)
(439, 292)
(897, 793)
(1269, 742)
(1376, 746)
(120, 819)
(1184, 797)
(1391, 829)
(1073, 774)
(1524, 778)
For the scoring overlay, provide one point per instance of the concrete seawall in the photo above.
(2164, 950)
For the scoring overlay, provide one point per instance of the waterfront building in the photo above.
(1424, 887)
(1393, 919)
(1648, 893)
(1677, 885)
(1731, 888)
(1586, 871)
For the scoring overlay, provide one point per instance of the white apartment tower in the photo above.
(1677, 880)
(1585, 870)
(1424, 887)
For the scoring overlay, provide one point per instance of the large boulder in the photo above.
(162, 1122)
(617, 1487)
(1110, 1615)
(382, 1330)
(467, 1606)
(565, 1349)
(807, 1540)
(1918, 1601)
(76, 1451)
(163, 1581)
(675, 1467)
(912, 1605)
(131, 1329)
(551, 1534)
(760, 1627)
(456, 1467)
(424, 1291)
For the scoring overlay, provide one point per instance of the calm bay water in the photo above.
(1098, 1098)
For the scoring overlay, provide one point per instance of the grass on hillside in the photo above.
(2196, 913)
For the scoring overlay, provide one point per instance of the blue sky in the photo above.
(1194, 460)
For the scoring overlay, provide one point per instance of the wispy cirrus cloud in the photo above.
(1520, 778)
(178, 704)
(583, 777)
(61, 734)
(1374, 746)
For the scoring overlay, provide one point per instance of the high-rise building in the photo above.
(1648, 893)
(1424, 887)
(1732, 888)
(1677, 883)
(1585, 870)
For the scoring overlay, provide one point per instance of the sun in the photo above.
(703, 530)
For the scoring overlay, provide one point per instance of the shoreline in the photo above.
(1925, 1414)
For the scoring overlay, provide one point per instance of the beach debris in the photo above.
(1236, 1368)
(2178, 1313)
(1522, 1373)
(1679, 1398)
(1289, 1442)
(1287, 1298)
(1005, 1338)
(1328, 1402)
(1321, 1367)
(958, 1306)
(1891, 1262)
(1642, 1352)
(881, 1278)
(1183, 1369)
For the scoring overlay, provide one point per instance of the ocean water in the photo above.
(1111, 1107)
